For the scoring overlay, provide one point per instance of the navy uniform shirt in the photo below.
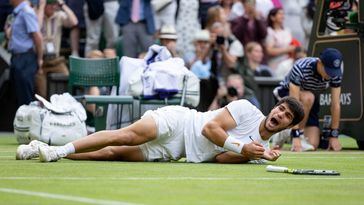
(304, 74)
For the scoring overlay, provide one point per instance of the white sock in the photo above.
(65, 150)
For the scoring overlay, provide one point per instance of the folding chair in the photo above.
(86, 72)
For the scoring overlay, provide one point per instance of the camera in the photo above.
(220, 40)
(232, 92)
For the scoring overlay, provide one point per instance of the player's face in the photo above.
(279, 118)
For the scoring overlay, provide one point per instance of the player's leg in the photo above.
(307, 99)
(140, 132)
(312, 130)
(111, 153)
(313, 135)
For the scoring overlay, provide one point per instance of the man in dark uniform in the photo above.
(308, 75)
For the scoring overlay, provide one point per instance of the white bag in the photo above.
(55, 128)
(22, 122)
(56, 123)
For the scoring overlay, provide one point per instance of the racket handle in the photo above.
(271, 168)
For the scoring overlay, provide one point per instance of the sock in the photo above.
(65, 150)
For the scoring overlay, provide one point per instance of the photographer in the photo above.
(233, 90)
(226, 50)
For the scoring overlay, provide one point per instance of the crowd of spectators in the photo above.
(218, 39)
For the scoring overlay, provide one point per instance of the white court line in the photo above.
(182, 178)
(322, 157)
(63, 197)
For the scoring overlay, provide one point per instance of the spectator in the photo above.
(26, 48)
(279, 40)
(262, 6)
(233, 90)
(77, 7)
(186, 25)
(226, 50)
(164, 13)
(254, 58)
(201, 64)
(293, 20)
(56, 15)
(217, 14)
(204, 6)
(285, 66)
(227, 6)
(168, 38)
(244, 69)
(307, 22)
(307, 76)
(137, 24)
(251, 26)
(104, 23)
(200, 61)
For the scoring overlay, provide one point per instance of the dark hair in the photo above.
(272, 12)
(295, 106)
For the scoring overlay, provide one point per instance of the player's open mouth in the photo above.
(274, 121)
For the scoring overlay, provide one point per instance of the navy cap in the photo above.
(332, 59)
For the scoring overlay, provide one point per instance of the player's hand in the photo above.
(253, 150)
(296, 145)
(334, 144)
(273, 154)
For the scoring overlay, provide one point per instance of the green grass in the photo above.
(182, 183)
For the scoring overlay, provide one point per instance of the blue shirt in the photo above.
(304, 74)
(25, 23)
(201, 70)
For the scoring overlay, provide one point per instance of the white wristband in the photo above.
(234, 145)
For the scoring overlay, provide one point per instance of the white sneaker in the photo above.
(30, 151)
(48, 154)
(281, 137)
(306, 146)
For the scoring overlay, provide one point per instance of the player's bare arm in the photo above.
(230, 158)
(335, 109)
(215, 131)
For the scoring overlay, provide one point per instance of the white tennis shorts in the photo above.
(170, 143)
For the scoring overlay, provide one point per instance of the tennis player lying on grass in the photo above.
(236, 133)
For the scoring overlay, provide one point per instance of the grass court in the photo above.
(126, 183)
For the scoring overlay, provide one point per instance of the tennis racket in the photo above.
(271, 168)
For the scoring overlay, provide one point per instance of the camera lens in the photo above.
(232, 91)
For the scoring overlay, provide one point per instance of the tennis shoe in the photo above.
(48, 154)
(30, 151)
(306, 146)
(281, 137)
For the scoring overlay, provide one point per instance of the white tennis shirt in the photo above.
(247, 118)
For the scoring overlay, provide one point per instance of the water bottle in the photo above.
(326, 129)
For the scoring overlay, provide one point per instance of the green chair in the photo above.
(87, 72)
